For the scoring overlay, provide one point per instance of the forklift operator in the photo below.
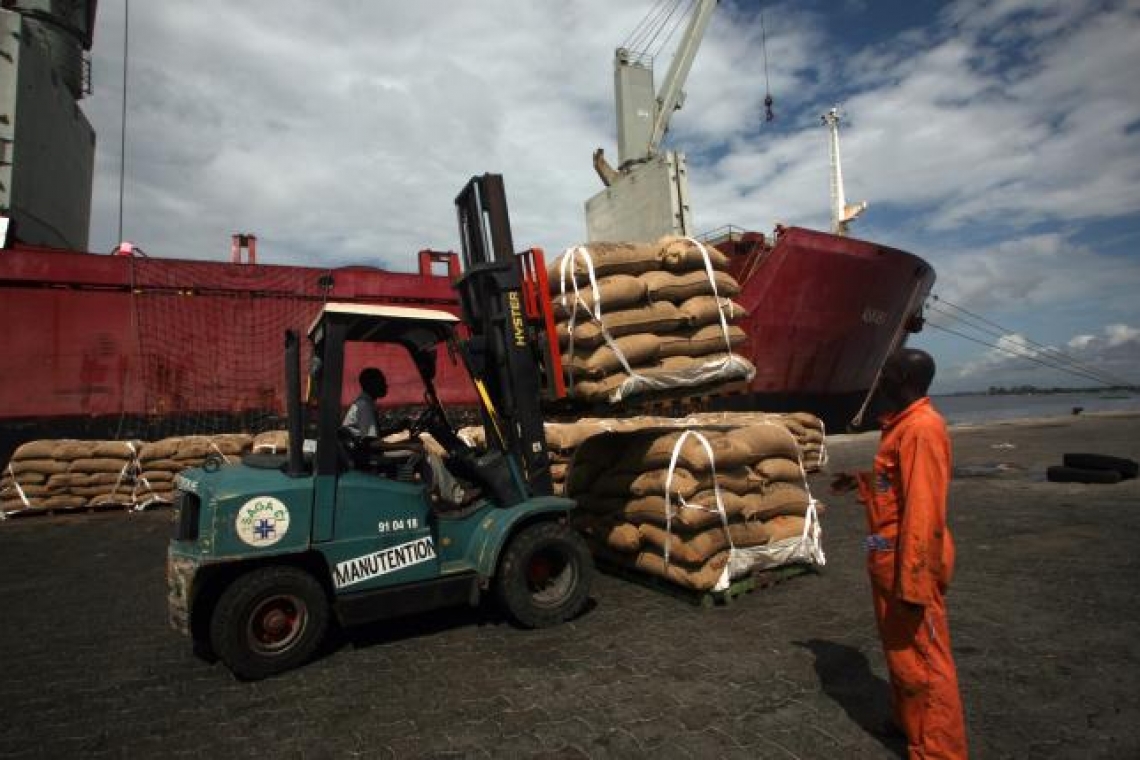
(360, 421)
(363, 433)
(361, 429)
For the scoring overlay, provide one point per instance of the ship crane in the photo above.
(842, 212)
(648, 194)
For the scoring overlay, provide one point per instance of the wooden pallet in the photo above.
(755, 581)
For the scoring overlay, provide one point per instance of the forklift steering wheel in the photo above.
(423, 422)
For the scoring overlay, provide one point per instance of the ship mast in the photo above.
(842, 213)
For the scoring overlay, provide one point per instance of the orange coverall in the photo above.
(910, 558)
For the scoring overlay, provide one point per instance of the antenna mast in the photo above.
(842, 213)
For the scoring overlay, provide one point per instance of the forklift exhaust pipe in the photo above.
(296, 465)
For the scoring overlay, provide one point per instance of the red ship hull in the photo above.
(823, 313)
(101, 346)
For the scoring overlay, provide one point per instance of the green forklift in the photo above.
(266, 554)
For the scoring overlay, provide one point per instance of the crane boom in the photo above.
(670, 97)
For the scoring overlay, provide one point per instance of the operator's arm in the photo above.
(924, 469)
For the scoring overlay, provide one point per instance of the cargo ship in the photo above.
(127, 345)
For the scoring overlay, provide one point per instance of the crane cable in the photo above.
(649, 28)
(1058, 358)
(1019, 355)
(769, 114)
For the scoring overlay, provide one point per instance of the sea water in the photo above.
(986, 408)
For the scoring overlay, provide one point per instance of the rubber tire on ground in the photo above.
(232, 614)
(1062, 474)
(513, 584)
(1127, 468)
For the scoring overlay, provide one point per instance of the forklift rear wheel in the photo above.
(544, 577)
(269, 621)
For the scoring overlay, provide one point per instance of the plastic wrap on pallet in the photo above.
(805, 549)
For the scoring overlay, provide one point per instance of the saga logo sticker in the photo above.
(262, 521)
(383, 562)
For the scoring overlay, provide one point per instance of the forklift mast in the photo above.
(512, 349)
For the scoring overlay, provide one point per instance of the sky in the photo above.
(997, 139)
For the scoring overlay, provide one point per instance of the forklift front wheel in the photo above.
(269, 621)
(545, 575)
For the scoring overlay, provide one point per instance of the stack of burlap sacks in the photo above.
(68, 474)
(160, 461)
(564, 438)
(635, 319)
(50, 475)
(696, 507)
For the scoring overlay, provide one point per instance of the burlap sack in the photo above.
(231, 444)
(696, 548)
(41, 466)
(618, 291)
(595, 363)
(654, 450)
(698, 513)
(807, 419)
(779, 470)
(785, 526)
(170, 465)
(702, 578)
(738, 480)
(194, 447)
(667, 286)
(706, 310)
(29, 490)
(64, 502)
(812, 437)
(776, 499)
(80, 479)
(700, 341)
(13, 503)
(98, 465)
(618, 536)
(91, 491)
(112, 499)
(115, 449)
(680, 254)
(764, 441)
(158, 476)
(43, 449)
(659, 317)
(30, 478)
(691, 372)
(71, 450)
(273, 442)
(164, 449)
(607, 259)
(567, 436)
(797, 430)
(630, 482)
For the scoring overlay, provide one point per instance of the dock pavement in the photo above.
(1044, 615)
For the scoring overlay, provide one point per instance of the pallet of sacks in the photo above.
(66, 474)
(699, 508)
(161, 461)
(638, 319)
(564, 438)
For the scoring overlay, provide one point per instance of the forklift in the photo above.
(266, 554)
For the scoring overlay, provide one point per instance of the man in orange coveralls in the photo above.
(910, 558)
